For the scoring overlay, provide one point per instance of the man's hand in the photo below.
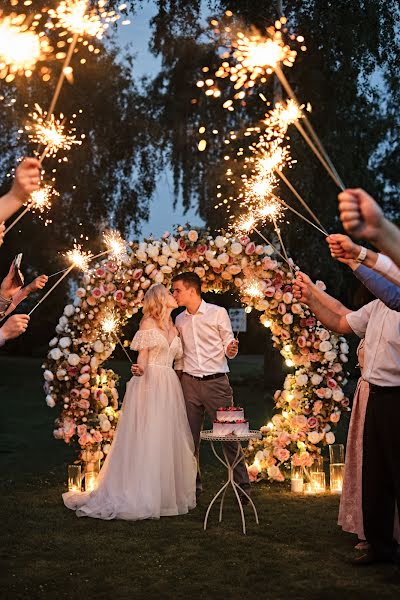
(37, 284)
(232, 348)
(343, 248)
(27, 179)
(2, 230)
(14, 326)
(360, 214)
(8, 289)
(137, 370)
(303, 288)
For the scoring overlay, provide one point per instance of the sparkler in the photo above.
(246, 224)
(51, 289)
(50, 132)
(109, 325)
(21, 48)
(39, 201)
(116, 245)
(252, 288)
(79, 258)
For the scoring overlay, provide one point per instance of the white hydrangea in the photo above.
(55, 354)
(236, 248)
(220, 241)
(53, 342)
(50, 401)
(73, 360)
(69, 310)
(65, 342)
(48, 375)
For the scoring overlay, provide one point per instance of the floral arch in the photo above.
(312, 398)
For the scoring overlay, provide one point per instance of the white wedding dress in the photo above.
(151, 469)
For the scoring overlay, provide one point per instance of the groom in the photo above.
(207, 339)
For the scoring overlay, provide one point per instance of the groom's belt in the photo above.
(206, 377)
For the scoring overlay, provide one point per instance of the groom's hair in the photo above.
(189, 280)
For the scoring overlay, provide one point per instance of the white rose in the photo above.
(236, 248)
(301, 379)
(53, 342)
(323, 334)
(316, 379)
(344, 348)
(166, 250)
(105, 425)
(314, 437)
(141, 256)
(94, 363)
(209, 254)
(260, 249)
(172, 262)
(331, 355)
(149, 268)
(69, 310)
(61, 373)
(287, 297)
(174, 246)
(98, 346)
(268, 250)
(166, 269)
(106, 448)
(330, 437)
(200, 272)
(338, 395)
(73, 360)
(220, 241)
(223, 258)
(259, 456)
(50, 401)
(159, 278)
(65, 342)
(152, 250)
(55, 354)
(48, 375)
(193, 235)
(234, 269)
(325, 346)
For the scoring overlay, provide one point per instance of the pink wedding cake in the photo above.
(230, 421)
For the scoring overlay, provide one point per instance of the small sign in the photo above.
(238, 319)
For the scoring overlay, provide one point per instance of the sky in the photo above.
(136, 37)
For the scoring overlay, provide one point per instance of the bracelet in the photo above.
(362, 256)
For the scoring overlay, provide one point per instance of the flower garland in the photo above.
(312, 399)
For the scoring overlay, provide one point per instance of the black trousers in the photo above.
(381, 468)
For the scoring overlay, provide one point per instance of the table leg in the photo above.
(232, 481)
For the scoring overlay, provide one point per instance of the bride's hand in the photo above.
(137, 370)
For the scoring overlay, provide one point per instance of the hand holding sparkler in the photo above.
(26, 181)
(14, 327)
(232, 348)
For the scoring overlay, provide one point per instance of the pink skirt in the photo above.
(350, 510)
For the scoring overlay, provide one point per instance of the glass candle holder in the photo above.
(90, 481)
(336, 472)
(336, 454)
(318, 483)
(307, 488)
(74, 478)
(296, 479)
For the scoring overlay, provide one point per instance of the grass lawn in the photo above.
(297, 551)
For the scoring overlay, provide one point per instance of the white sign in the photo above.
(238, 319)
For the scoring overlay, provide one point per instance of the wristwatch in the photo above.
(362, 256)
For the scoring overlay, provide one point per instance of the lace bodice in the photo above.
(160, 351)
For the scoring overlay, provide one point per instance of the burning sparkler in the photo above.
(116, 245)
(20, 46)
(39, 201)
(51, 133)
(252, 288)
(78, 257)
(76, 16)
(110, 324)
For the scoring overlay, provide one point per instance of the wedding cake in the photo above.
(230, 421)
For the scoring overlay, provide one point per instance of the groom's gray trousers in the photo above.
(209, 395)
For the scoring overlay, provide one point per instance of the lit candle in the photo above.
(297, 485)
(74, 478)
(336, 477)
(90, 481)
(307, 488)
(318, 483)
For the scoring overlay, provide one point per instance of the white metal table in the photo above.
(207, 435)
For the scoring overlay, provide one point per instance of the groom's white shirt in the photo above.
(205, 337)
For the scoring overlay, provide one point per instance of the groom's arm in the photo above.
(225, 331)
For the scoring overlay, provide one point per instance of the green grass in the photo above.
(297, 551)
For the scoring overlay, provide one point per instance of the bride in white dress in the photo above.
(151, 469)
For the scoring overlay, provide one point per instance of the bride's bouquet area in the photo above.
(311, 402)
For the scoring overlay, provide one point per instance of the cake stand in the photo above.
(208, 436)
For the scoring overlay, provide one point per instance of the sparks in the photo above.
(20, 47)
(245, 224)
(284, 114)
(270, 210)
(50, 133)
(77, 17)
(78, 257)
(109, 322)
(115, 244)
(42, 198)
(252, 289)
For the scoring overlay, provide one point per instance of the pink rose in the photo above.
(301, 341)
(84, 378)
(85, 393)
(85, 369)
(250, 248)
(101, 272)
(201, 249)
(281, 308)
(182, 243)
(81, 430)
(283, 440)
(335, 417)
(253, 472)
(137, 273)
(320, 392)
(345, 402)
(97, 436)
(118, 296)
(269, 292)
(331, 383)
(287, 319)
(244, 240)
(281, 454)
(84, 404)
(111, 266)
(268, 264)
(312, 422)
(72, 371)
(84, 439)
(97, 293)
(91, 301)
(311, 321)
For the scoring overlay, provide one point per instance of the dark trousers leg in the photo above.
(381, 473)
(195, 415)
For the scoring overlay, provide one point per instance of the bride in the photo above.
(150, 471)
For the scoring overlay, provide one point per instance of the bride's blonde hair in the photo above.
(155, 303)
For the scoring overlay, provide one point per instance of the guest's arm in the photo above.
(379, 286)
(329, 311)
(26, 181)
(35, 285)
(362, 217)
(13, 327)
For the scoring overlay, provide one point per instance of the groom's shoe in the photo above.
(372, 558)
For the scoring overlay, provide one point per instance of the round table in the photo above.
(208, 436)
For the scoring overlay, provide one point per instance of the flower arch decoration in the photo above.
(312, 398)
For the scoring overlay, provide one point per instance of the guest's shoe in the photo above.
(372, 558)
